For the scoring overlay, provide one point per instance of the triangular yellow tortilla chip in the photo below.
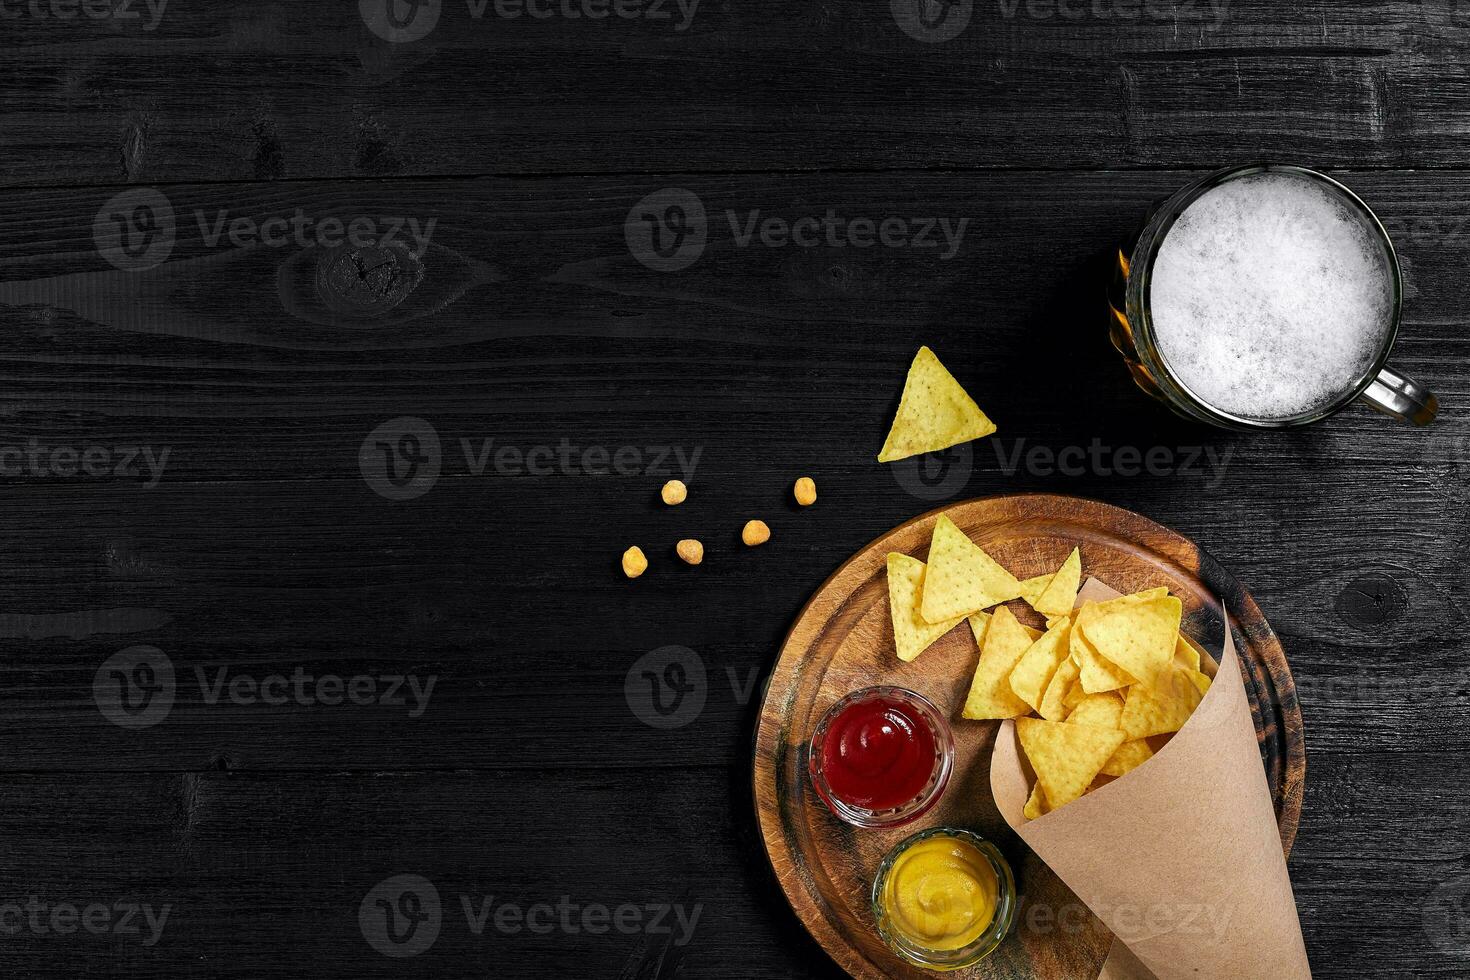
(1098, 674)
(1156, 709)
(1006, 639)
(912, 634)
(1066, 758)
(1130, 756)
(1051, 707)
(979, 623)
(1061, 592)
(1031, 588)
(1186, 654)
(1140, 637)
(1039, 664)
(1103, 710)
(933, 413)
(1200, 681)
(1036, 805)
(962, 578)
(1074, 696)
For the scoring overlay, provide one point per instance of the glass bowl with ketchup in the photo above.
(881, 756)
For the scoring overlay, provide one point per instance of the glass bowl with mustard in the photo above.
(944, 898)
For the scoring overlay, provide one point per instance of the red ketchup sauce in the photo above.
(878, 754)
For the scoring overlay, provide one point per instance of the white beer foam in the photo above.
(1270, 296)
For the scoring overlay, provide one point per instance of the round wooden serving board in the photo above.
(843, 640)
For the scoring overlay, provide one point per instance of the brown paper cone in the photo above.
(1181, 858)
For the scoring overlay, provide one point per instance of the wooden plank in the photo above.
(210, 90)
(262, 874)
(261, 546)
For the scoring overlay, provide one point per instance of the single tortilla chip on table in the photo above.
(934, 412)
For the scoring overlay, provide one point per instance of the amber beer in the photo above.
(1265, 297)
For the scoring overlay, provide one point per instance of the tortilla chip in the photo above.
(1036, 805)
(1066, 758)
(1060, 685)
(1139, 637)
(1006, 640)
(934, 412)
(979, 623)
(1103, 710)
(1130, 756)
(1032, 588)
(912, 634)
(1074, 696)
(1061, 591)
(962, 578)
(1200, 681)
(1156, 709)
(1039, 664)
(1186, 654)
(1098, 674)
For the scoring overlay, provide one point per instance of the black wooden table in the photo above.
(255, 691)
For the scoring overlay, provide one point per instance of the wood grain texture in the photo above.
(280, 89)
(842, 641)
(261, 549)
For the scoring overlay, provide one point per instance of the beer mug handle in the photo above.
(1402, 397)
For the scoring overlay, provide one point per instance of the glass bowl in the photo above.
(973, 952)
(912, 704)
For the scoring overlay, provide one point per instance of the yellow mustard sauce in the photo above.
(941, 893)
